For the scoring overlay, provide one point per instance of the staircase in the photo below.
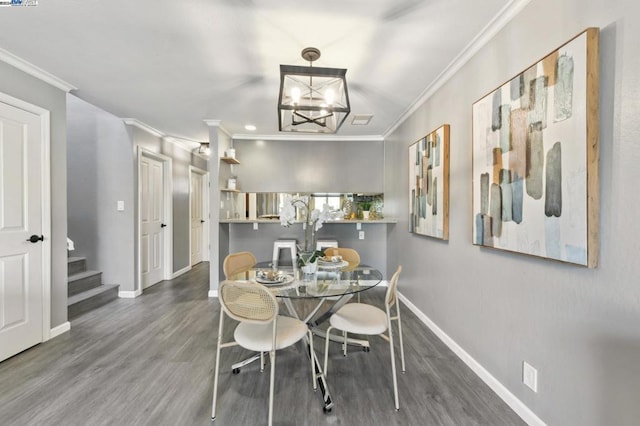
(85, 289)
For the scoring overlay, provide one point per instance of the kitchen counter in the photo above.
(330, 222)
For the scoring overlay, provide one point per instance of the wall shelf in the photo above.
(229, 190)
(230, 160)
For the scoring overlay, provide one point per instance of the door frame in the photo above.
(205, 211)
(45, 144)
(167, 191)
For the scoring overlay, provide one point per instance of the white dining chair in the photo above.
(361, 318)
(261, 329)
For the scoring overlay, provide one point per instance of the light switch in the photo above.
(255, 226)
(361, 235)
(358, 226)
(120, 206)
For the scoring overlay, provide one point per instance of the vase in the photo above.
(309, 272)
(365, 214)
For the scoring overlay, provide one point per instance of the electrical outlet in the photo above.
(530, 376)
(255, 226)
(361, 235)
(358, 226)
(120, 206)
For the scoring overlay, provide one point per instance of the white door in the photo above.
(152, 221)
(21, 275)
(197, 218)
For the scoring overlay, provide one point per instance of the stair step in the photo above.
(75, 265)
(83, 281)
(91, 299)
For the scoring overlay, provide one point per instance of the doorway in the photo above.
(198, 215)
(154, 218)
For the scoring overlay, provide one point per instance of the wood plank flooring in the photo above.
(150, 360)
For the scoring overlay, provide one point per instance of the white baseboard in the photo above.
(213, 293)
(129, 294)
(510, 399)
(180, 272)
(62, 328)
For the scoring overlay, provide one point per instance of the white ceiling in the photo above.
(173, 64)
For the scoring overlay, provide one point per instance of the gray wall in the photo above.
(310, 166)
(22, 86)
(578, 327)
(100, 173)
(102, 158)
(295, 166)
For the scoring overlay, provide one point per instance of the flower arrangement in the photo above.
(313, 220)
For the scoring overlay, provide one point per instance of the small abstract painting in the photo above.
(429, 184)
(535, 158)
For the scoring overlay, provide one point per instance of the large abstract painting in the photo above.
(429, 184)
(535, 158)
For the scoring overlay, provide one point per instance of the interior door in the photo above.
(21, 275)
(152, 221)
(197, 218)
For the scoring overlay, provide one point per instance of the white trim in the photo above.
(212, 293)
(183, 144)
(45, 144)
(34, 71)
(510, 399)
(502, 18)
(168, 212)
(218, 124)
(62, 328)
(307, 137)
(129, 294)
(181, 271)
(143, 126)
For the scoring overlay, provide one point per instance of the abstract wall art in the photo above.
(429, 184)
(535, 158)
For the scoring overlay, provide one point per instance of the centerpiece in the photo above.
(312, 222)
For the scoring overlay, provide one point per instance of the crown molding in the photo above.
(218, 124)
(143, 126)
(499, 21)
(35, 71)
(184, 144)
(302, 137)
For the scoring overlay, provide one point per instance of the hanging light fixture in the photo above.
(312, 100)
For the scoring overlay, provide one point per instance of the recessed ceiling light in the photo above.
(250, 127)
(361, 119)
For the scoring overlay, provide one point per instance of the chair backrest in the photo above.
(247, 302)
(348, 254)
(392, 290)
(236, 263)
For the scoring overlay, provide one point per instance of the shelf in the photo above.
(230, 160)
(229, 190)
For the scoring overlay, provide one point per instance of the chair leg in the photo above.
(261, 362)
(313, 359)
(326, 350)
(400, 335)
(272, 359)
(393, 362)
(217, 369)
(344, 343)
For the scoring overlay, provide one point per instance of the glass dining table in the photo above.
(328, 289)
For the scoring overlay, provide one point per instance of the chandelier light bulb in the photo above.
(295, 95)
(329, 96)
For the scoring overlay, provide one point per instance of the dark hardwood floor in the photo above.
(150, 360)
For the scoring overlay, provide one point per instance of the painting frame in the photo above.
(535, 154)
(429, 184)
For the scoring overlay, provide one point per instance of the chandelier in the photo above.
(312, 100)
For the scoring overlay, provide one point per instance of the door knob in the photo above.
(34, 238)
(163, 225)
